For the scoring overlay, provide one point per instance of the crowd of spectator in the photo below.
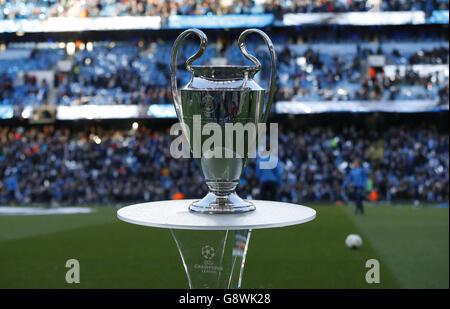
(19, 85)
(348, 77)
(122, 74)
(101, 166)
(29, 92)
(94, 8)
(322, 76)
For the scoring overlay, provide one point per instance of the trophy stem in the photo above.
(221, 199)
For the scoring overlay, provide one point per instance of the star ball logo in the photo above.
(208, 266)
(208, 252)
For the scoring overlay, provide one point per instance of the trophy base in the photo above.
(221, 204)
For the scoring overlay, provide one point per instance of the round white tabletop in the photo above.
(175, 214)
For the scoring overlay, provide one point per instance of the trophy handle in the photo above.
(273, 64)
(173, 63)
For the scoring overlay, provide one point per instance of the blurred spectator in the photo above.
(359, 178)
(270, 180)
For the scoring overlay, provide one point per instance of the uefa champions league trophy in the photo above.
(221, 95)
(212, 234)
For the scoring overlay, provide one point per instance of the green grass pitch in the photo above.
(411, 244)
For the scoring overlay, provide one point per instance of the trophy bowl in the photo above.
(219, 110)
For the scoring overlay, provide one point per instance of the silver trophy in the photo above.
(221, 95)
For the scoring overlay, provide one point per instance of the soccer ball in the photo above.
(353, 241)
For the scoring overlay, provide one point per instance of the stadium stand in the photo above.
(104, 166)
(323, 64)
(128, 74)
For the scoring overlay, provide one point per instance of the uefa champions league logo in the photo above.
(208, 252)
(208, 266)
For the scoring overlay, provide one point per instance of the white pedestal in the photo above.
(176, 215)
(213, 247)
